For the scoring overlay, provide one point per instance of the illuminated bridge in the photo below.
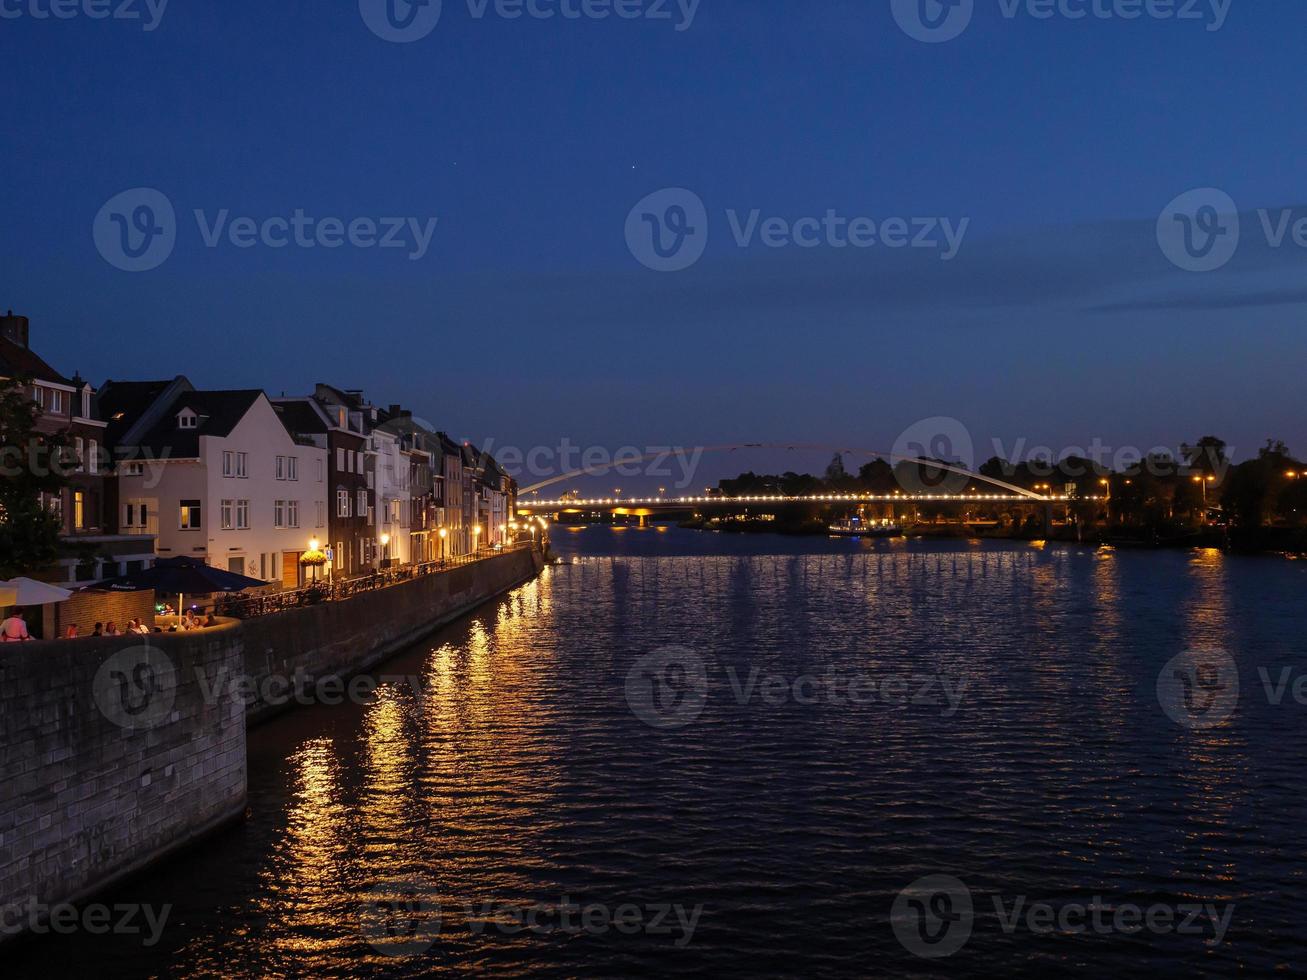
(663, 503)
(528, 502)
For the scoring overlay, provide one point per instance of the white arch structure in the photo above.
(600, 468)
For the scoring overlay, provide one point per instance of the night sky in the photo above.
(528, 320)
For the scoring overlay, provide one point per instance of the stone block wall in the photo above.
(114, 756)
(117, 751)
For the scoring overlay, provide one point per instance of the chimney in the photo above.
(14, 328)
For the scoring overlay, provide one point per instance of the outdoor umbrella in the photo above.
(29, 592)
(180, 576)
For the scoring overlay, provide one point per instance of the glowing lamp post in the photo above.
(1203, 481)
(313, 559)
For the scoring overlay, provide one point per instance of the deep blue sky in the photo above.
(529, 320)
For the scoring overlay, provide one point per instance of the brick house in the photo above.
(91, 547)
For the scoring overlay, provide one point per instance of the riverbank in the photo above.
(1268, 540)
(119, 751)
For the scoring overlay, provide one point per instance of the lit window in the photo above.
(79, 510)
(189, 519)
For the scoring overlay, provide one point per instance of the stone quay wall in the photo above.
(118, 751)
(114, 755)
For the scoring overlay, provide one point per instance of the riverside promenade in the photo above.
(118, 751)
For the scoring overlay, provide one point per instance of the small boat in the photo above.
(856, 527)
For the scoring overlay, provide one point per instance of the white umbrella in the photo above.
(29, 592)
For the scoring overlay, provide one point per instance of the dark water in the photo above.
(597, 739)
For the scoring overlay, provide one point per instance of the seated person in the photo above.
(14, 629)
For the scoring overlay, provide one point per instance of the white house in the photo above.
(216, 475)
(393, 498)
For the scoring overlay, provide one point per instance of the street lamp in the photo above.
(385, 549)
(1203, 481)
(444, 533)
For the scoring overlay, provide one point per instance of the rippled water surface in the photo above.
(765, 740)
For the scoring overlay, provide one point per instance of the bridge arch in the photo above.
(601, 468)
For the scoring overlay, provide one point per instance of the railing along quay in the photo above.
(240, 606)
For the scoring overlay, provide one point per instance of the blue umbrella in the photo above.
(180, 576)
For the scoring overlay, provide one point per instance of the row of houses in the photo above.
(250, 483)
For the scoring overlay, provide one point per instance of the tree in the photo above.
(877, 477)
(1206, 456)
(31, 463)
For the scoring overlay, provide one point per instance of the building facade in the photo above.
(216, 475)
(343, 421)
(91, 549)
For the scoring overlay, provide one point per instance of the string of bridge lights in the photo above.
(834, 498)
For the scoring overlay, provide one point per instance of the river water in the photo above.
(689, 753)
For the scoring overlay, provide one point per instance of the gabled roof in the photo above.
(301, 416)
(449, 446)
(19, 362)
(122, 403)
(219, 412)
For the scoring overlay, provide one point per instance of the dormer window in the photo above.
(186, 419)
